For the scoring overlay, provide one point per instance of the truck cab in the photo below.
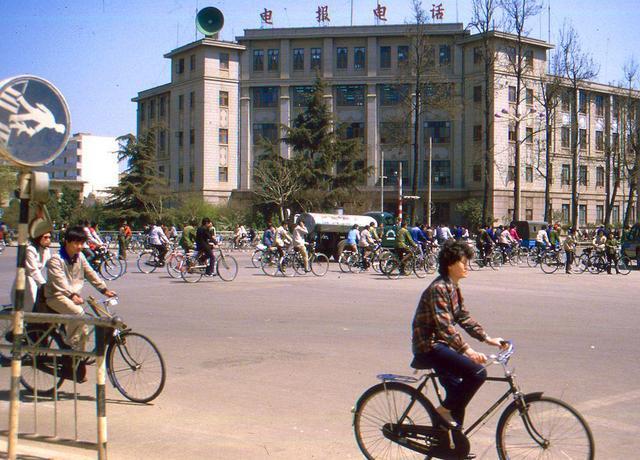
(390, 228)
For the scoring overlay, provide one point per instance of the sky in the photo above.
(101, 53)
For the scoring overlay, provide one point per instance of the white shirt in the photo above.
(542, 237)
(282, 236)
(365, 238)
(446, 233)
(157, 236)
(299, 235)
(505, 237)
(35, 262)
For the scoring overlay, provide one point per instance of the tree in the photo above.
(8, 182)
(142, 194)
(631, 158)
(517, 13)
(577, 66)
(483, 20)
(474, 213)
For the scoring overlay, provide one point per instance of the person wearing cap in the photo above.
(36, 258)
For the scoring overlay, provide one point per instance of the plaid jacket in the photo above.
(441, 307)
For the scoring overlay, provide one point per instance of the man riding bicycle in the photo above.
(205, 244)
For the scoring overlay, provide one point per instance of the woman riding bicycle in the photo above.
(437, 344)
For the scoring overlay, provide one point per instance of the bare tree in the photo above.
(578, 67)
(483, 21)
(631, 156)
(517, 13)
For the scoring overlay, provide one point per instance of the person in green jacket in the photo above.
(554, 236)
(403, 244)
(611, 249)
(188, 237)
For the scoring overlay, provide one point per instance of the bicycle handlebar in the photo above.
(503, 356)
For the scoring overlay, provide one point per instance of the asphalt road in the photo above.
(269, 368)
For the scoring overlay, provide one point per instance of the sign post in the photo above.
(34, 129)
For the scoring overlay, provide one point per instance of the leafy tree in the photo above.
(474, 213)
(8, 182)
(142, 194)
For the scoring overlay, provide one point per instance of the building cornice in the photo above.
(205, 42)
(166, 88)
(496, 34)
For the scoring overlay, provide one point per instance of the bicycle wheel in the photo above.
(147, 262)
(431, 264)
(191, 272)
(298, 264)
(597, 264)
(269, 264)
(545, 428)
(533, 258)
(378, 410)
(624, 265)
(383, 263)
(320, 264)
(420, 267)
(581, 264)
(174, 265)
(42, 373)
(286, 266)
(227, 268)
(549, 263)
(392, 268)
(354, 262)
(495, 260)
(257, 257)
(136, 367)
(343, 262)
(112, 268)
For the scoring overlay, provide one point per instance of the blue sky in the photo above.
(100, 53)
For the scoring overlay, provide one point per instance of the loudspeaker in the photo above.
(209, 21)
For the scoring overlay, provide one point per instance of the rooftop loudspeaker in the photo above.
(209, 21)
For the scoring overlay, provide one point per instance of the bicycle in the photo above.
(195, 267)
(394, 419)
(394, 267)
(149, 260)
(318, 262)
(491, 259)
(552, 259)
(108, 265)
(134, 364)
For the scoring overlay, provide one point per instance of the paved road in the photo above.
(265, 368)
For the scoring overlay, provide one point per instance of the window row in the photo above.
(223, 101)
(223, 174)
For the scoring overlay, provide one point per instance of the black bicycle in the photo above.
(394, 419)
(108, 265)
(134, 364)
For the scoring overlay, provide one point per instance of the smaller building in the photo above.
(89, 160)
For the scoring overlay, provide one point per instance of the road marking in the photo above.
(613, 424)
(608, 400)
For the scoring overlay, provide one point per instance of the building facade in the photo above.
(90, 160)
(225, 97)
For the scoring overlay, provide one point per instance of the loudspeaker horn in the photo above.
(209, 21)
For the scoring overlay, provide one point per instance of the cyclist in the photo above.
(282, 238)
(188, 238)
(484, 243)
(513, 231)
(205, 244)
(611, 248)
(366, 245)
(554, 235)
(353, 237)
(403, 243)
(268, 236)
(542, 239)
(67, 269)
(92, 242)
(599, 241)
(569, 246)
(418, 237)
(299, 242)
(505, 242)
(438, 345)
(158, 239)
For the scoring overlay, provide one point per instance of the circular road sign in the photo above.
(34, 121)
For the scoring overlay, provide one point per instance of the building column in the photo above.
(372, 57)
(245, 148)
(285, 59)
(285, 107)
(372, 146)
(327, 58)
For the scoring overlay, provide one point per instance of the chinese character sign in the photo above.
(437, 12)
(380, 12)
(322, 14)
(267, 16)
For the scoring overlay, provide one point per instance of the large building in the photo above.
(89, 160)
(224, 97)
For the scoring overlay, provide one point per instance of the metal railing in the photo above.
(28, 351)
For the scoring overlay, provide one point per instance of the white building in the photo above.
(90, 159)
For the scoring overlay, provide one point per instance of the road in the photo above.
(269, 368)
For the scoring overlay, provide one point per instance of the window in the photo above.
(224, 61)
(223, 99)
(161, 170)
(192, 62)
(512, 94)
(141, 111)
(191, 174)
(477, 133)
(393, 132)
(445, 55)
(180, 138)
(511, 173)
(265, 131)
(298, 59)
(511, 54)
(223, 136)
(266, 96)
(180, 68)
(599, 140)
(615, 141)
(528, 214)
(477, 93)
(599, 214)
(162, 139)
(354, 131)
(350, 95)
(565, 213)
(273, 59)
(192, 100)
(477, 173)
(192, 136)
(359, 58)
(599, 100)
(403, 55)
(528, 173)
(180, 175)
(223, 174)
(615, 214)
(599, 176)
(152, 109)
(439, 131)
(385, 57)
(478, 55)
(64, 160)
(529, 96)
(583, 175)
(302, 95)
(565, 178)
(582, 139)
(162, 106)
(529, 138)
(392, 94)
(582, 104)
(440, 172)
(582, 214)
(511, 135)
(181, 102)
(342, 58)
(391, 169)
(64, 173)
(316, 58)
(528, 59)
(258, 60)
(564, 101)
(565, 137)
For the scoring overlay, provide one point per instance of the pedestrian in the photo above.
(569, 246)
(36, 257)
(611, 250)
(124, 238)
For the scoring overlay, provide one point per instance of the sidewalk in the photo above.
(45, 450)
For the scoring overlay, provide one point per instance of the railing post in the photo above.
(101, 405)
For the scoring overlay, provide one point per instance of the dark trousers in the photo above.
(207, 254)
(162, 251)
(460, 377)
(612, 261)
(570, 258)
